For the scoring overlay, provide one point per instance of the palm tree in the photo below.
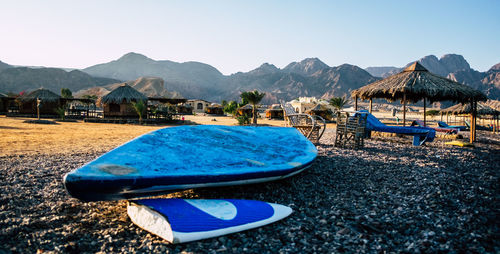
(253, 98)
(338, 103)
(139, 107)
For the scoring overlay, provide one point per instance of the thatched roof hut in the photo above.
(482, 109)
(275, 112)
(245, 110)
(3, 103)
(49, 101)
(320, 110)
(215, 109)
(123, 94)
(43, 94)
(416, 83)
(118, 103)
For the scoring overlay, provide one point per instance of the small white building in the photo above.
(304, 104)
(199, 106)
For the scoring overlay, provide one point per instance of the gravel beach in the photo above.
(390, 196)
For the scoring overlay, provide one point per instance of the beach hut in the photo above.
(184, 108)
(321, 110)
(48, 100)
(275, 112)
(4, 103)
(215, 109)
(416, 83)
(245, 110)
(118, 103)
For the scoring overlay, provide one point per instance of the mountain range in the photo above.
(309, 77)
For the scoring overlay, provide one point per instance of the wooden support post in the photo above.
(475, 119)
(425, 124)
(356, 103)
(371, 105)
(404, 109)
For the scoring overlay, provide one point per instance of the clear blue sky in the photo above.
(240, 35)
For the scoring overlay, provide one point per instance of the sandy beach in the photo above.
(389, 196)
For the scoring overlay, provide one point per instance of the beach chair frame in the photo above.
(312, 127)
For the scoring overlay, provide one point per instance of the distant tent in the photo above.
(118, 103)
(49, 101)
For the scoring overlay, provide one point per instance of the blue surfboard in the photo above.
(177, 158)
(185, 220)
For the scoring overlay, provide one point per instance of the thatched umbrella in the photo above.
(482, 109)
(416, 83)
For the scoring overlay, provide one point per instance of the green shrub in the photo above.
(243, 120)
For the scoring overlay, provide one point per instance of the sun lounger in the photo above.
(420, 123)
(478, 127)
(445, 125)
(420, 134)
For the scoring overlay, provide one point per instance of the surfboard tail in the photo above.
(186, 220)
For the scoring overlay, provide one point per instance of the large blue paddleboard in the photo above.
(185, 220)
(185, 157)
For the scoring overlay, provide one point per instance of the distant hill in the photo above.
(4, 66)
(19, 79)
(149, 86)
(309, 77)
(191, 78)
(380, 71)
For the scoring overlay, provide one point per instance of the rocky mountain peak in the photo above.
(454, 62)
(265, 68)
(495, 67)
(133, 57)
(306, 67)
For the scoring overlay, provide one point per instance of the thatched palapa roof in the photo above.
(43, 94)
(123, 93)
(247, 106)
(482, 109)
(275, 107)
(417, 83)
(318, 108)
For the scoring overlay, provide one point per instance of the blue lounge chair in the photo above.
(420, 134)
(445, 125)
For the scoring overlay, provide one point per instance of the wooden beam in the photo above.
(404, 109)
(371, 105)
(424, 114)
(356, 103)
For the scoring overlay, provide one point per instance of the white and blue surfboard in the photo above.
(185, 157)
(185, 220)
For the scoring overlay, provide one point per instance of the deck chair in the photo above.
(312, 127)
(420, 134)
(350, 131)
